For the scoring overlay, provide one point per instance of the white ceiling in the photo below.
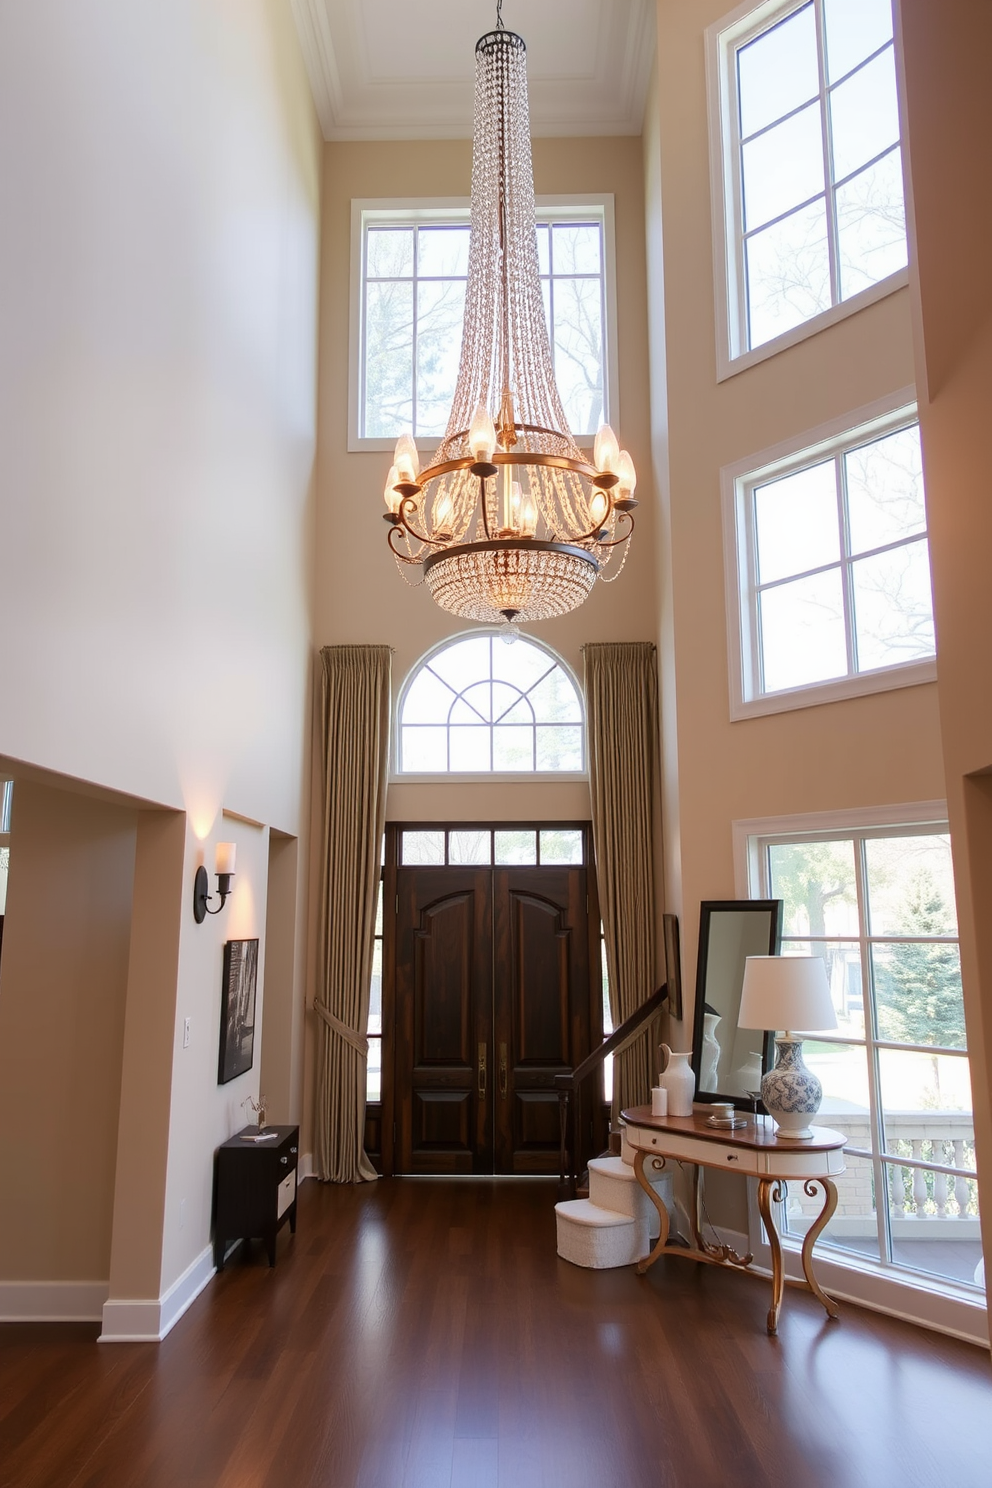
(404, 69)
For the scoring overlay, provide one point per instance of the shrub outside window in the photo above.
(811, 185)
(412, 264)
(828, 550)
(489, 703)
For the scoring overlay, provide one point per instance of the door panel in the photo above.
(443, 1015)
(492, 1000)
(541, 1006)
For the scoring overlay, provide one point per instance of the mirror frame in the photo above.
(773, 908)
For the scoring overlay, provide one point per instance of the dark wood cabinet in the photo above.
(255, 1189)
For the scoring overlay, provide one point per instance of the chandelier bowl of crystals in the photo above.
(510, 520)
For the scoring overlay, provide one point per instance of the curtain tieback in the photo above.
(357, 1040)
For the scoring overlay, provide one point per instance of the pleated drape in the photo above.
(355, 729)
(621, 684)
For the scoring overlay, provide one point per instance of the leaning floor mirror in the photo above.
(728, 1061)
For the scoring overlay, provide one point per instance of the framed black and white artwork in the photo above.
(237, 1009)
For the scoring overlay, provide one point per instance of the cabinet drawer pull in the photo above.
(284, 1159)
(731, 1157)
(293, 1150)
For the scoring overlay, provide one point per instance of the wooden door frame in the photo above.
(385, 1117)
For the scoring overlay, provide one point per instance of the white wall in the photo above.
(157, 293)
(160, 179)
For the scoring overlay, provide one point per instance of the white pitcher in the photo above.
(678, 1079)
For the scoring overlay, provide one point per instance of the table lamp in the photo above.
(788, 992)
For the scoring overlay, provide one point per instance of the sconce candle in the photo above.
(224, 860)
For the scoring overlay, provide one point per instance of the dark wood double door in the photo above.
(492, 1000)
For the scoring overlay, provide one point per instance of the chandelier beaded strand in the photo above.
(509, 520)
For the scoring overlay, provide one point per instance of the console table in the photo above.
(755, 1150)
(255, 1188)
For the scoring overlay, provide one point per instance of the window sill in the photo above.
(865, 684)
(730, 366)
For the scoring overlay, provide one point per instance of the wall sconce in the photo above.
(224, 868)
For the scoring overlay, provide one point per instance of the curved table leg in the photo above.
(813, 1234)
(770, 1192)
(658, 1203)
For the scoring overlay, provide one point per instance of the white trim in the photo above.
(412, 209)
(871, 420)
(721, 40)
(149, 1320)
(948, 1309)
(851, 819)
(730, 366)
(304, 1168)
(52, 1301)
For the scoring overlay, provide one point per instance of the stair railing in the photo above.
(568, 1084)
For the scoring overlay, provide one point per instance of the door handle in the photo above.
(482, 1071)
(502, 1071)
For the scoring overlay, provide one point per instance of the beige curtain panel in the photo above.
(621, 683)
(355, 717)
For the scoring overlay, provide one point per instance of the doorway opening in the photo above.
(490, 986)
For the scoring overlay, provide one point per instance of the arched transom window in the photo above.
(490, 703)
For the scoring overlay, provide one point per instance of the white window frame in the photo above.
(465, 777)
(871, 421)
(732, 353)
(431, 211)
(941, 1304)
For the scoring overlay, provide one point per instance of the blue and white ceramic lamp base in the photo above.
(791, 1092)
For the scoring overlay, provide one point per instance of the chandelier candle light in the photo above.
(510, 520)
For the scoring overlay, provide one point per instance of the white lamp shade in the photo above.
(226, 857)
(789, 992)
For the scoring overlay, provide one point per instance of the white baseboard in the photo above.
(148, 1320)
(304, 1167)
(52, 1301)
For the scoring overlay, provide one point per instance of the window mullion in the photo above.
(833, 245)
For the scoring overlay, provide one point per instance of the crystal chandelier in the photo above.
(510, 520)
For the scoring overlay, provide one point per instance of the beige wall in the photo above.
(360, 596)
(859, 752)
(63, 985)
(160, 170)
(868, 751)
(950, 151)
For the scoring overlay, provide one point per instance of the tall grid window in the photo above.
(413, 280)
(812, 159)
(490, 703)
(878, 906)
(833, 563)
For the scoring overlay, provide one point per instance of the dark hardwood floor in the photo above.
(421, 1333)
